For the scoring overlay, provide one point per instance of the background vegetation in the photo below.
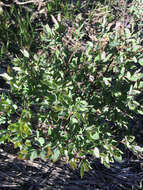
(71, 79)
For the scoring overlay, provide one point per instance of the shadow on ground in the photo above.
(39, 175)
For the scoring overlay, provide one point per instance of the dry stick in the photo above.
(21, 3)
(9, 185)
(10, 5)
(5, 5)
(40, 2)
(27, 2)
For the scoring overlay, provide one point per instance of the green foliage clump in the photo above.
(77, 101)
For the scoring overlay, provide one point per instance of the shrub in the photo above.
(75, 102)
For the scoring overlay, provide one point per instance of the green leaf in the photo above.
(97, 58)
(141, 62)
(135, 77)
(140, 112)
(48, 29)
(74, 120)
(33, 155)
(41, 140)
(52, 97)
(37, 133)
(25, 53)
(135, 59)
(73, 164)
(28, 143)
(1, 10)
(83, 109)
(81, 171)
(17, 69)
(95, 136)
(86, 166)
(118, 158)
(96, 152)
(107, 81)
(107, 57)
(17, 144)
(78, 115)
(6, 76)
(133, 104)
(127, 33)
(136, 47)
(140, 84)
(49, 131)
(2, 119)
(56, 155)
(42, 155)
(58, 108)
(106, 164)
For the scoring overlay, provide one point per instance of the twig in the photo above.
(39, 2)
(5, 5)
(8, 185)
(27, 2)
(21, 3)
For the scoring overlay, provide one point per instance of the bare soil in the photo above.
(41, 175)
